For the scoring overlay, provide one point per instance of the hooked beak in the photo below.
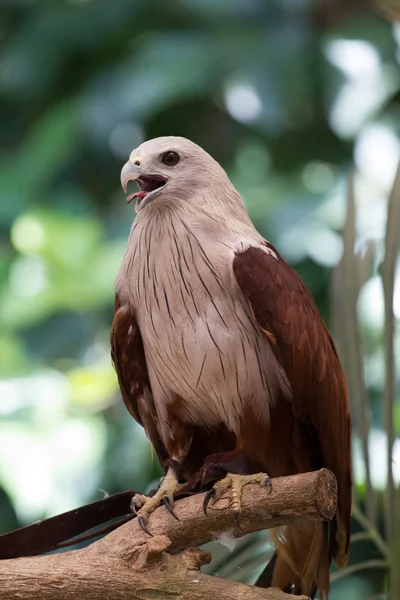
(149, 183)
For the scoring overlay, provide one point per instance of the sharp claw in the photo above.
(143, 525)
(167, 503)
(210, 494)
(236, 514)
(132, 507)
(268, 484)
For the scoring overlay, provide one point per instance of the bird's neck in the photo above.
(215, 217)
(164, 241)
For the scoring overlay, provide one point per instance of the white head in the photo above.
(175, 172)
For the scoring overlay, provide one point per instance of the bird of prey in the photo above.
(221, 353)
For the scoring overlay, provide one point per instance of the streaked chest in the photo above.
(200, 339)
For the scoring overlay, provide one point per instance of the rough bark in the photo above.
(128, 564)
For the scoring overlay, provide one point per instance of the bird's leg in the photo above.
(235, 483)
(143, 506)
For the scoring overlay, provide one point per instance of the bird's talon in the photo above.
(143, 525)
(168, 506)
(207, 498)
(236, 483)
(143, 506)
(236, 514)
(137, 502)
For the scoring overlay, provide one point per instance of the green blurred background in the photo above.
(286, 95)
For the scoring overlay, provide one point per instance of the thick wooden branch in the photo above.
(127, 564)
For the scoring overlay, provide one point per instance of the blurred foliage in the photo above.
(286, 99)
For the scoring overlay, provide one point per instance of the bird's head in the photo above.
(173, 170)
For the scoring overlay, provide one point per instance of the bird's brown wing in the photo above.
(283, 306)
(128, 356)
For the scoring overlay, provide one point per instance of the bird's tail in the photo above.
(301, 563)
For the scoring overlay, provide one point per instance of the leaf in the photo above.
(392, 247)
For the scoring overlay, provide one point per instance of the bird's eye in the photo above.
(170, 158)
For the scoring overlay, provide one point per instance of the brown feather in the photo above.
(127, 354)
(283, 306)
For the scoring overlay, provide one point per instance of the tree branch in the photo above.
(127, 564)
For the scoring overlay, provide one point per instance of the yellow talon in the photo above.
(148, 504)
(236, 483)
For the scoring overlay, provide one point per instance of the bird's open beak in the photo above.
(149, 183)
(129, 172)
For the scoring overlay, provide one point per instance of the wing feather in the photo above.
(282, 304)
(127, 354)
